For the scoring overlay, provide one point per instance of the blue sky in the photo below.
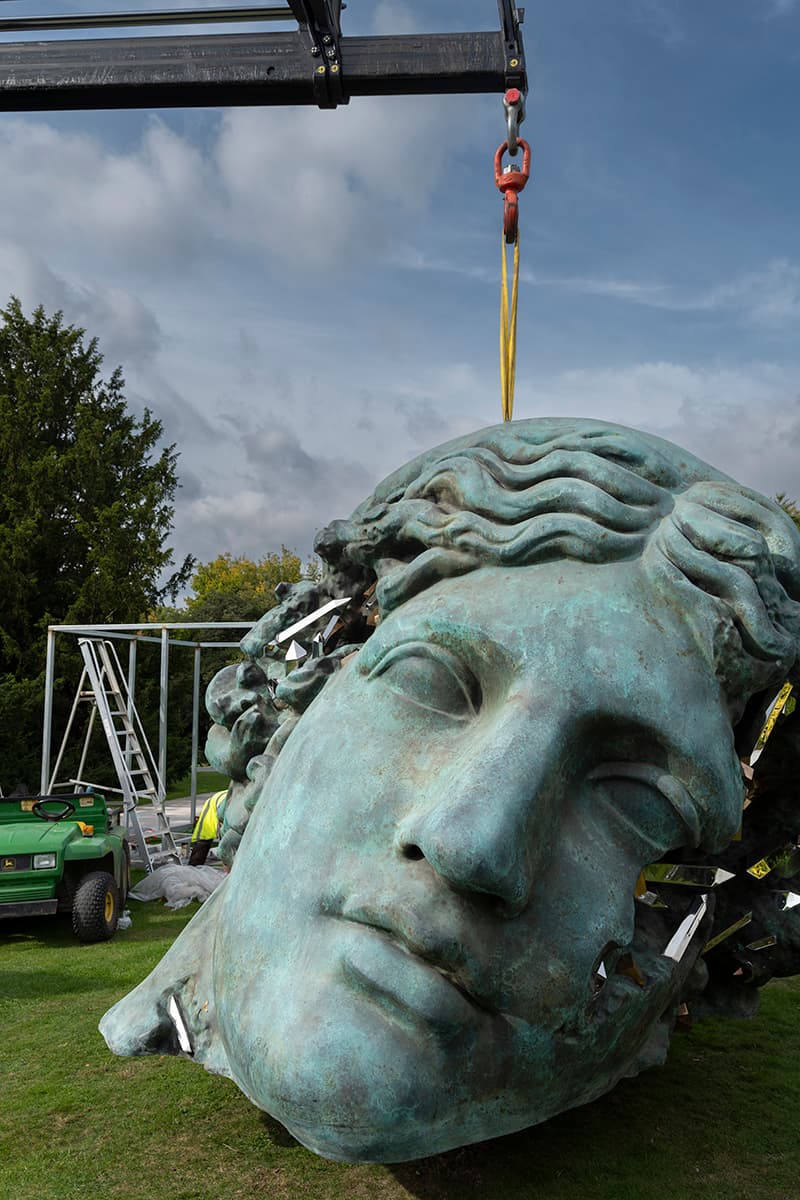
(307, 299)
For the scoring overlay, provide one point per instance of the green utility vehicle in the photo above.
(64, 854)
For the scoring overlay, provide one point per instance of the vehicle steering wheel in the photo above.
(44, 814)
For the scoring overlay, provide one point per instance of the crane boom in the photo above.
(312, 64)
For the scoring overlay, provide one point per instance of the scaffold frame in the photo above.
(158, 633)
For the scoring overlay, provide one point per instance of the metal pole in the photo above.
(47, 730)
(195, 729)
(123, 20)
(51, 782)
(131, 691)
(87, 739)
(162, 715)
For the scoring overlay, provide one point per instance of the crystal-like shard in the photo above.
(687, 875)
(729, 932)
(176, 1016)
(680, 940)
(296, 653)
(763, 943)
(311, 618)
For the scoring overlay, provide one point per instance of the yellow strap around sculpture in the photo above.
(508, 333)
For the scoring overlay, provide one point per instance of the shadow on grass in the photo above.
(38, 985)
(718, 1119)
(38, 931)
(278, 1133)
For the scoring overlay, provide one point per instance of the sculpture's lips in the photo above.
(380, 961)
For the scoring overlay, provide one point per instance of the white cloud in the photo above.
(280, 493)
(123, 325)
(662, 19)
(769, 297)
(744, 421)
(299, 186)
(766, 298)
(335, 194)
(70, 197)
(394, 16)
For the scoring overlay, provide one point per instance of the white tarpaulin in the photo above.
(178, 885)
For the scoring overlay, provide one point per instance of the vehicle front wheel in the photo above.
(95, 907)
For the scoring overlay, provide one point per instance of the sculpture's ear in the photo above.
(172, 1011)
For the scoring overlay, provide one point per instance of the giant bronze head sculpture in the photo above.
(488, 847)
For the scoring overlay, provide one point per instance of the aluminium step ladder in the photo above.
(130, 752)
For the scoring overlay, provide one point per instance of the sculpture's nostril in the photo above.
(412, 852)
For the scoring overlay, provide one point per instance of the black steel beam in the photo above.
(221, 70)
(55, 22)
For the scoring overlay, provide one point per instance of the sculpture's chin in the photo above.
(353, 1085)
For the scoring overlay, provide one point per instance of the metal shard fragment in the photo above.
(652, 900)
(176, 1016)
(687, 875)
(774, 711)
(787, 859)
(790, 900)
(331, 606)
(296, 653)
(763, 943)
(729, 932)
(680, 940)
(330, 628)
(626, 965)
(601, 971)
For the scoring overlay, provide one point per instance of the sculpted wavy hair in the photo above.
(518, 494)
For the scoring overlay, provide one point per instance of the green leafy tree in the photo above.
(238, 589)
(86, 506)
(790, 507)
(229, 588)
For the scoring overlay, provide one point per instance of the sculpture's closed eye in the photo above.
(431, 677)
(639, 800)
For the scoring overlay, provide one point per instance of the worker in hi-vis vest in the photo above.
(207, 828)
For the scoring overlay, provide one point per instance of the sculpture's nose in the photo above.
(486, 822)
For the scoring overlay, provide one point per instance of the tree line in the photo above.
(86, 510)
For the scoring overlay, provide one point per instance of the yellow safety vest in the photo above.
(207, 827)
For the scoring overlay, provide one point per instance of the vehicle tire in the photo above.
(95, 907)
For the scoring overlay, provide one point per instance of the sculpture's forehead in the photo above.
(607, 618)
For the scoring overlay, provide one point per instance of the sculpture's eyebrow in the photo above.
(465, 639)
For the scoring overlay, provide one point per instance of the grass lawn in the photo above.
(721, 1120)
(207, 781)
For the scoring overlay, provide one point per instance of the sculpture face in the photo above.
(447, 849)
(430, 934)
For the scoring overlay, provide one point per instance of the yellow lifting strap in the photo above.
(508, 331)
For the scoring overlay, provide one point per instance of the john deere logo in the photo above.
(8, 864)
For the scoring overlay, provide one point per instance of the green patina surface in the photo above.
(561, 639)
